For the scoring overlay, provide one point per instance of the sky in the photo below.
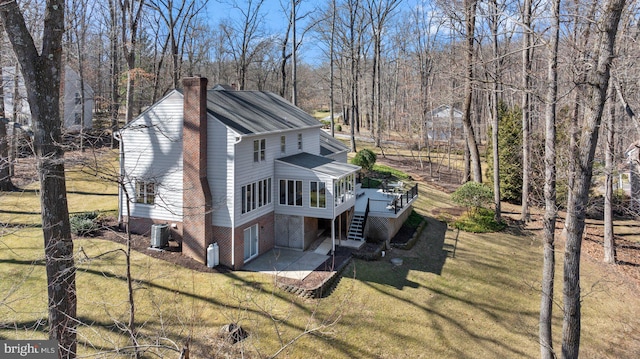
(275, 21)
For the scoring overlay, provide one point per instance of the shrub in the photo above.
(365, 158)
(510, 154)
(339, 128)
(84, 224)
(473, 195)
(479, 221)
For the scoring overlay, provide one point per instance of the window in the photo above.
(291, 193)
(77, 118)
(299, 141)
(251, 242)
(255, 195)
(259, 147)
(145, 192)
(317, 195)
(343, 189)
(283, 144)
(78, 99)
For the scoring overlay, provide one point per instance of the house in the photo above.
(244, 169)
(443, 123)
(17, 107)
(632, 154)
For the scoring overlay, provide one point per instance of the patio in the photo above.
(284, 262)
(296, 264)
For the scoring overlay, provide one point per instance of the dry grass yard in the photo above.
(482, 303)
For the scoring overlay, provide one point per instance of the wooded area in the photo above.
(566, 72)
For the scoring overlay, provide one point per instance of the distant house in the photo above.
(443, 123)
(244, 169)
(632, 154)
(17, 107)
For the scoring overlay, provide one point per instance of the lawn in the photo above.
(482, 303)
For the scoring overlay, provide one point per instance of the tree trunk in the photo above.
(5, 174)
(331, 66)
(294, 56)
(526, 71)
(41, 73)
(5, 161)
(550, 212)
(472, 146)
(494, 113)
(609, 240)
(114, 106)
(598, 80)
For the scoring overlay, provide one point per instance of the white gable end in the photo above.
(152, 149)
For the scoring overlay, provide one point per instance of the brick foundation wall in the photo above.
(266, 237)
(222, 235)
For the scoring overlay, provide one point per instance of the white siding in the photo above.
(247, 171)
(287, 172)
(220, 158)
(152, 149)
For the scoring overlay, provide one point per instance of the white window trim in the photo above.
(259, 150)
(145, 196)
(286, 193)
(260, 187)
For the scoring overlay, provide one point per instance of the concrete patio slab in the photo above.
(287, 263)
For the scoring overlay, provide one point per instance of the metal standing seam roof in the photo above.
(255, 112)
(320, 164)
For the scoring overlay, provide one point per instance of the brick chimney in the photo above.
(196, 194)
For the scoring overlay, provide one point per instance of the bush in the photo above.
(479, 221)
(510, 154)
(365, 159)
(339, 128)
(84, 224)
(473, 195)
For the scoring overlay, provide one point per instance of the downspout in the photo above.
(333, 219)
(118, 138)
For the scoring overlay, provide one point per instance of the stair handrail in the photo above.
(366, 215)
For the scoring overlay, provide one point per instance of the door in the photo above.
(251, 242)
(289, 231)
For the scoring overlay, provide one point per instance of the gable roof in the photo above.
(445, 111)
(256, 112)
(330, 145)
(319, 164)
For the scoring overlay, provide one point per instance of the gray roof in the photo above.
(330, 145)
(256, 112)
(320, 164)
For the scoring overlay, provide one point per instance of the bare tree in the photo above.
(379, 13)
(5, 162)
(598, 82)
(131, 14)
(550, 210)
(493, 25)
(41, 71)
(471, 146)
(526, 121)
(245, 37)
(178, 17)
(609, 240)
